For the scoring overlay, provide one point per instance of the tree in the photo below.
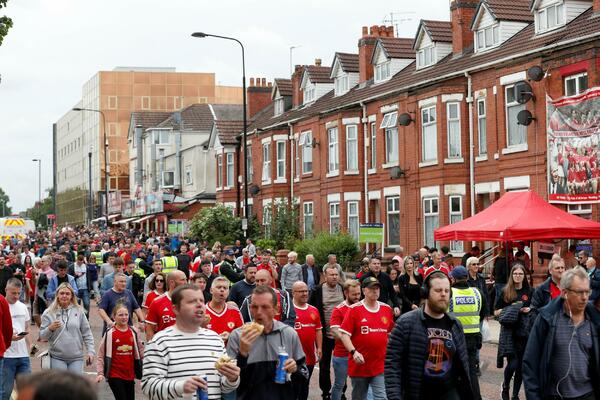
(285, 226)
(5, 22)
(219, 224)
(5, 209)
(39, 212)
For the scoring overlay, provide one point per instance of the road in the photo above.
(490, 380)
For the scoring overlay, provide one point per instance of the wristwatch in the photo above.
(352, 352)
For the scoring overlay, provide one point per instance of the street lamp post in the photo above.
(90, 199)
(39, 161)
(245, 145)
(105, 139)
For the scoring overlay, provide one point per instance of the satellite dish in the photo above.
(253, 189)
(535, 73)
(523, 92)
(404, 119)
(396, 172)
(524, 117)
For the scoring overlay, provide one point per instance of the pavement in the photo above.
(490, 381)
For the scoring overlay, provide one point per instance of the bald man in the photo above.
(160, 314)
(594, 273)
(310, 331)
(285, 310)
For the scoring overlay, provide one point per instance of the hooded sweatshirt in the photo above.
(67, 342)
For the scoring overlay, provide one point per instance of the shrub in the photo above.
(285, 225)
(218, 223)
(342, 245)
(266, 244)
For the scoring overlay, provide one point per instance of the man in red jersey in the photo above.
(310, 331)
(364, 333)
(160, 314)
(223, 317)
(340, 354)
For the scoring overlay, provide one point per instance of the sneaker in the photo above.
(34, 349)
(477, 370)
(505, 395)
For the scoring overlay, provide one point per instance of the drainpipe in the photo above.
(292, 161)
(471, 145)
(366, 144)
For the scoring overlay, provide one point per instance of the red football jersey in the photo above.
(228, 320)
(308, 322)
(161, 313)
(369, 333)
(337, 317)
(122, 355)
(150, 297)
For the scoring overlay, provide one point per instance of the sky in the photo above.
(57, 45)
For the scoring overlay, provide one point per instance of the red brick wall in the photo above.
(462, 12)
(258, 95)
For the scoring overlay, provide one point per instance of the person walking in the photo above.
(61, 277)
(6, 335)
(476, 280)
(512, 309)
(80, 273)
(224, 318)
(386, 293)
(310, 273)
(364, 333)
(67, 329)
(158, 286)
(180, 360)
(426, 355)
(242, 289)
(118, 294)
(291, 272)
(410, 284)
(561, 358)
(169, 262)
(284, 311)
(228, 268)
(120, 356)
(160, 313)
(550, 288)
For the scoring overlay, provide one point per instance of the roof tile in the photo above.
(284, 86)
(398, 47)
(349, 62)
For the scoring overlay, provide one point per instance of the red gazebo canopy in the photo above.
(520, 216)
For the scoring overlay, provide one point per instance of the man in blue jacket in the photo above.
(562, 357)
(61, 276)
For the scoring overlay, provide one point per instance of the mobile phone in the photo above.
(23, 334)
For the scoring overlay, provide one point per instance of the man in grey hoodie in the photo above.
(291, 272)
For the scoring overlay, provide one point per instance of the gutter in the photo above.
(471, 145)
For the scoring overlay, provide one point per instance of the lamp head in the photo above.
(199, 34)
(77, 109)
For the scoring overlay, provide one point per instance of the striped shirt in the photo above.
(172, 356)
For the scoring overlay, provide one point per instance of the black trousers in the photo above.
(325, 366)
(122, 389)
(473, 344)
(301, 385)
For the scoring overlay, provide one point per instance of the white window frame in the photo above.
(164, 175)
(453, 121)
(581, 210)
(482, 35)
(382, 71)
(162, 137)
(230, 169)
(510, 89)
(373, 132)
(281, 158)
(430, 214)
(353, 218)
(334, 213)
(482, 126)
(279, 106)
(219, 170)
(189, 178)
(305, 142)
(333, 151)
(389, 211)
(426, 56)
(266, 171)
(455, 215)
(576, 78)
(249, 162)
(352, 148)
(309, 93)
(389, 124)
(267, 218)
(543, 17)
(341, 84)
(426, 125)
(308, 215)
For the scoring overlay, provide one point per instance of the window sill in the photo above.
(218, 189)
(372, 171)
(515, 149)
(454, 160)
(390, 165)
(296, 180)
(227, 188)
(307, 174)
(332, 174)
(427, 163)
(353, 172)
(481, 158)
(457, 254)
(267, 182)
(280, 180)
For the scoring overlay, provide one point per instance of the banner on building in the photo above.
(151, 203)
(370, 233)
(573, 127)
(114, 202)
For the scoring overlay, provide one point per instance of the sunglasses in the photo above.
(159, 280)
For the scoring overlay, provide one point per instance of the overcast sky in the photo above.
(55, 46)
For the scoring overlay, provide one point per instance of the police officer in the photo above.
(229, 269)
(169, 262)
(466, 306)
(141, 266)
(98, 254)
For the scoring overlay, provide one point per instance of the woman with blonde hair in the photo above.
(66, 327)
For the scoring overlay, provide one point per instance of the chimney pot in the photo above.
(365, 31)
(263, 82)
(270, 84)
(318, 62)
(251, 81)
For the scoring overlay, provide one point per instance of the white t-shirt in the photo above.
(20, 318)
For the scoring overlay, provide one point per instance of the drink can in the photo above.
(202, 394)
(280, 374)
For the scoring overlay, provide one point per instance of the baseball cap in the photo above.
(228, 252)
(459, 273)
(370, 282)
(430, 270)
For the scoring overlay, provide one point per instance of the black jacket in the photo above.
(387, 293)
(230, 271)
(541, 295)
(538, 353)
(407, 352)
(480, 284)
(314, 271)
(316, 300)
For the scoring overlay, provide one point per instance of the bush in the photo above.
(218, 223)
(285, 226)
(266, 244)
(324, 243)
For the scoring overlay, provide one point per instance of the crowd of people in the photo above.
(227, 321)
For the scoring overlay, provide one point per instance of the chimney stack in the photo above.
(318, 62)
(297, 96)
(461, 14)
(258, 95)
(366, 45)
(596, 7)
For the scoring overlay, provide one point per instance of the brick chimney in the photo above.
(366, 45)
(461, 14)
(258, 95)
(596, 6)
(297, 95)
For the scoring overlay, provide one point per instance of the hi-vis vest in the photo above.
(465, 305)
(169, 264)
(98, 256)
(139, 271)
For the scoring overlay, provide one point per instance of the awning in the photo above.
(147, 217)
(124, 221)
(98, 219)
(113, 216)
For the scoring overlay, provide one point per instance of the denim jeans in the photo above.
(360, 387)
(2, 377)
(84, 296)
(73, 366)
(498, 288)
(12, 368)
(340, 372)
